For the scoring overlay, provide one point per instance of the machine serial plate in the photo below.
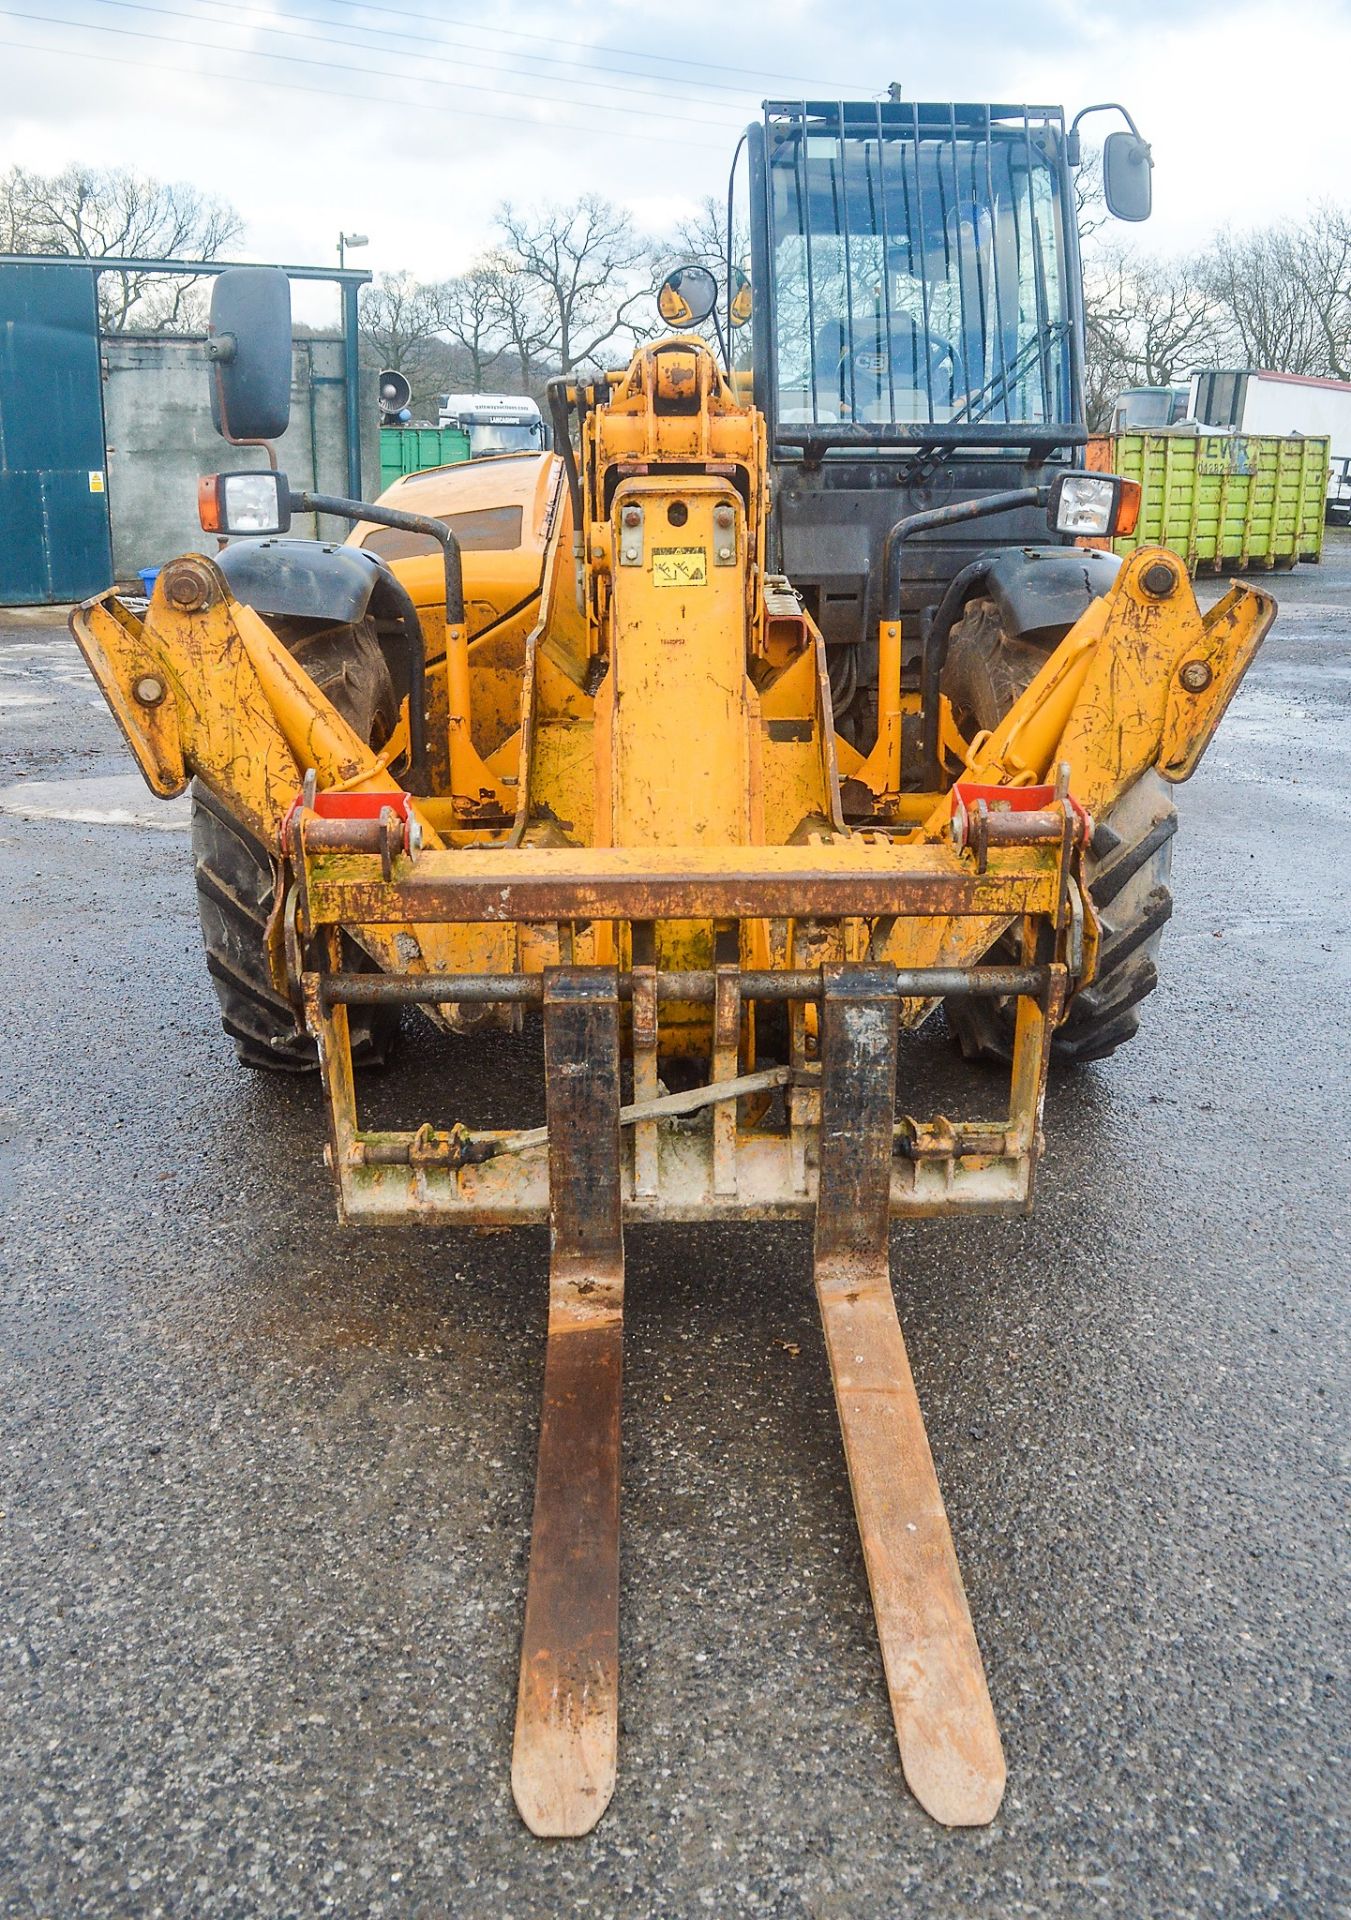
(679, 567)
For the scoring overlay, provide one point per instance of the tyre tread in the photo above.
(236, 877)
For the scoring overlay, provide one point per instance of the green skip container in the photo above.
(1224, 501)
(415, 449)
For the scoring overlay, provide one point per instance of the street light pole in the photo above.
(346, 240)
(351, 369)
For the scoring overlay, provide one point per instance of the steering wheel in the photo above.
(912, 357)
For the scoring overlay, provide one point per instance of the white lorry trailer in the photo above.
(1253, 401)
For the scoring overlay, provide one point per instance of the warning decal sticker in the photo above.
(679, 567)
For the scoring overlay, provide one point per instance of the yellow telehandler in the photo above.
(771, 710)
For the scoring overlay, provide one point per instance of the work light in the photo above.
(1092, 505)
(257, 502)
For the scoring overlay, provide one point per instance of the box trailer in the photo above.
(1251, 400)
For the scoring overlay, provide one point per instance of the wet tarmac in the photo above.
(266, 1484)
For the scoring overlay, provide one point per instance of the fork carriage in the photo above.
(752, 1151)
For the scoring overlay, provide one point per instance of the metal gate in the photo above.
(54, 535)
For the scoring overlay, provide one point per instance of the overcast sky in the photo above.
(408, 120)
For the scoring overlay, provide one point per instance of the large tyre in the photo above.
(236, 876)
(1127, 868)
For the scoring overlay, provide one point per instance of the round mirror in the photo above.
(686, 296)
(742, 298)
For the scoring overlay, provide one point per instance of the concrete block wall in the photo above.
(159, 441)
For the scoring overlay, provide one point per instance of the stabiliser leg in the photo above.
(945, 1724)
(567, 1709)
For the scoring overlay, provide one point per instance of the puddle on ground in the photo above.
(1285, 716)
(40, 673)
(122, 800)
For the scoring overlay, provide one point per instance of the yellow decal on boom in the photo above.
(679, 567)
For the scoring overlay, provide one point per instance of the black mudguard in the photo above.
(336, 586)
(1045, 589)
(304, 579)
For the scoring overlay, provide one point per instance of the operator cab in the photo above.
(917, 268)
(917, 343)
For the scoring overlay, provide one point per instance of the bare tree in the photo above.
(562, 289)
(1252, 277)
(516, 316)
(1107, 365)
(98, 213)
(702, 238)
(18, 229)
(552, 295)
(399, 316)
(482, 326)
(1324, 268)
(1148, 322)
(1090, 205)
(401, 323)
(1287, 292)
(471, 318)
(577, 271)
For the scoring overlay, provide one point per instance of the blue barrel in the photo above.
(149, 575)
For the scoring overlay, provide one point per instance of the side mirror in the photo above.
(743, 299)
(1127, 185)
(249, 348)
(687, 296)
(233, 503)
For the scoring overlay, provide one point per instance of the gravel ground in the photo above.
(266, 1483)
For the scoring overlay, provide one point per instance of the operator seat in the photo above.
(904, 360)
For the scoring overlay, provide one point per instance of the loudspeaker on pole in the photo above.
(395, 393)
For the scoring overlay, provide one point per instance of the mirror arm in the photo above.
(217, 361)
(560, 415)
(731, 189)
(722, 344)
(935, 640)
(1073, 145)
(1104, 106)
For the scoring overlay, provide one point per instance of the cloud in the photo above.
(440, 117)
